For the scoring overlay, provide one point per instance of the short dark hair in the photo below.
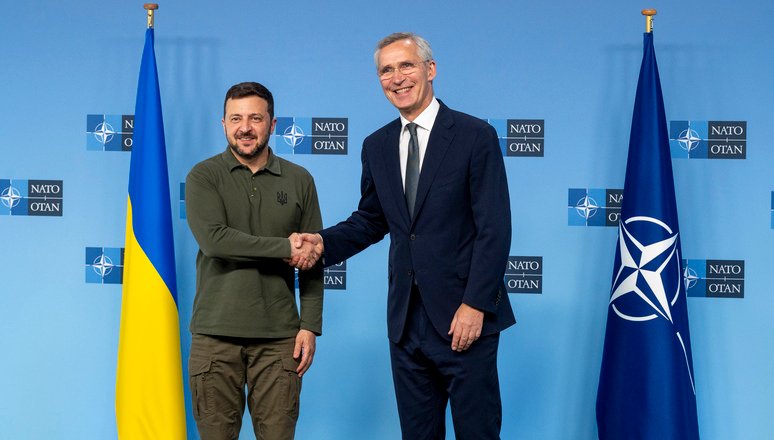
(245, 89)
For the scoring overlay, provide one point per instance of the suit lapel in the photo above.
(441, 137)
(391, 157)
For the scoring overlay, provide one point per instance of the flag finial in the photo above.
(150, 7)
(648, 13)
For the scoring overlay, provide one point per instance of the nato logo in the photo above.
(594, 206)
(524, 275)
(104, 265)
(520, 137)
(182, 201)
(708, 139)
(714, 278)
(335, 277)
(311, 135)
(109, 132)
(31, 197)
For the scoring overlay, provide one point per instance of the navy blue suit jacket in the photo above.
(456, 246)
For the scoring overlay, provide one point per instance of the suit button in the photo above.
(412, 237)
(410, 272)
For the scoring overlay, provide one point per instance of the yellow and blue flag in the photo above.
(149, 384)
(646, 384)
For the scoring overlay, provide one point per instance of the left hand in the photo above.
(465, 327)
(305, 346)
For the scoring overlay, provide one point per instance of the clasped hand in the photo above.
(305, 250)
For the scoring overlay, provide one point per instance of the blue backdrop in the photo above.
(573, 66)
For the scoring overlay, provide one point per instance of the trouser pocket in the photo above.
(201, 392)
(289, 374)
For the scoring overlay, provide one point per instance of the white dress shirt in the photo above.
(424, 122)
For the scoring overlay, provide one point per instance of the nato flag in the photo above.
(646, 387)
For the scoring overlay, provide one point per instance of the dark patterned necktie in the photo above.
(412, 168)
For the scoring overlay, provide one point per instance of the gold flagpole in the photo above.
(150, 7)
(648, 13)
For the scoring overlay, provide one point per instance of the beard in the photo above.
(247, 154)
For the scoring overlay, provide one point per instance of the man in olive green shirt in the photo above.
(243, 207)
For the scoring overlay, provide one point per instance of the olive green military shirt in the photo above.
(242, 222)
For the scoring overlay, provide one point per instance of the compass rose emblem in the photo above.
(104, 132)
(10, 197)
(103, 265)
(586, 207)
(293, 135)
(648, 280)
(688, 139)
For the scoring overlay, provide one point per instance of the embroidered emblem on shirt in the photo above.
(282, 197)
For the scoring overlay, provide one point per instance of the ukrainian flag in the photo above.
(149, 384)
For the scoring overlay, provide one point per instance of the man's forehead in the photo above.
(401, 50)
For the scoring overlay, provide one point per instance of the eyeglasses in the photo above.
(405, 68)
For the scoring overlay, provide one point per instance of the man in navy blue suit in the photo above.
(435, 180)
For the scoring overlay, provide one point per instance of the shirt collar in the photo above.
(272, 164)
(426, 118)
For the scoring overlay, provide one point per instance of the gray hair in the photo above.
(423, 47)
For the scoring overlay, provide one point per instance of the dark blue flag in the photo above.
(646, 384)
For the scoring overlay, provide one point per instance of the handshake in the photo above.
(305, 250)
